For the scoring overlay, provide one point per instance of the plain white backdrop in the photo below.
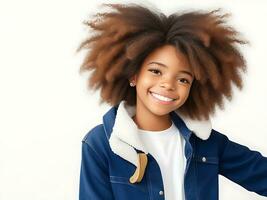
(46, 109)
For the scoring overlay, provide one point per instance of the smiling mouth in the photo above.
(161, 98)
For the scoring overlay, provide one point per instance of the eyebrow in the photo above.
(163, 65)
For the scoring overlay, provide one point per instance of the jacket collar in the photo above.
(123, 132)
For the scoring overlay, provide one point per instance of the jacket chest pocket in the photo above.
(123, 185)
(206, 171)
(206, 168)
(206, 159)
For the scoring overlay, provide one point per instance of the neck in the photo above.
(153, 123)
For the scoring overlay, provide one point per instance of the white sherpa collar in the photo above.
(124, 134)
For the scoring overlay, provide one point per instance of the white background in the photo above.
(46, 109)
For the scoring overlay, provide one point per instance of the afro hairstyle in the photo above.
(124, 36)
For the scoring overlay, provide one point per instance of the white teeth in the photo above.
(162, 98)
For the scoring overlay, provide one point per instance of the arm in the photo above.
(94, 177)
(245, 167)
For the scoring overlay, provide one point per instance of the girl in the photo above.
(163, 77)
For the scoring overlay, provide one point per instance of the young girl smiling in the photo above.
(163, 77)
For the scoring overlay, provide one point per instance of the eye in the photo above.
(183, 80)
(154, 71)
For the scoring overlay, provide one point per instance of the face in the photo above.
(163, 82)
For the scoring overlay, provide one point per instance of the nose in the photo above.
(168, 84)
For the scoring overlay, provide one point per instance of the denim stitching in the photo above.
(100, 158)
(124, 180)
(195, 168)
(149, 187)
(209, 160)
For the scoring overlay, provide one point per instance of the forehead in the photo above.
(170, 56)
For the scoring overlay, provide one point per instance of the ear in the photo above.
(133, 79)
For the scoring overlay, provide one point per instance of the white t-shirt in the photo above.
(167, 147)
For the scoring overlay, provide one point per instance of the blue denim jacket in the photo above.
(105, 175)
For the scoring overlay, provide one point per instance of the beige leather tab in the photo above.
(140, 169)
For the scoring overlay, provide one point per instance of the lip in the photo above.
(159, 101)
(163, 95)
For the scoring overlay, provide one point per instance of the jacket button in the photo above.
(204, 159)
(161, 192)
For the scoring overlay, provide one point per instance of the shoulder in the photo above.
(215, 143)
(94, 134)
(219, 136)
(215, 137)
(97, 139)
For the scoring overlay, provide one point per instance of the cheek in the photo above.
(144, 83)
(184, 93)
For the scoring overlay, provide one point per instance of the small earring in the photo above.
(131, 84)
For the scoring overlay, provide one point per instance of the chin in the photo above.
(158, 110)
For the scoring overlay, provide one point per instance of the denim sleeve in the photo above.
(94, 176)
(244, 166)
